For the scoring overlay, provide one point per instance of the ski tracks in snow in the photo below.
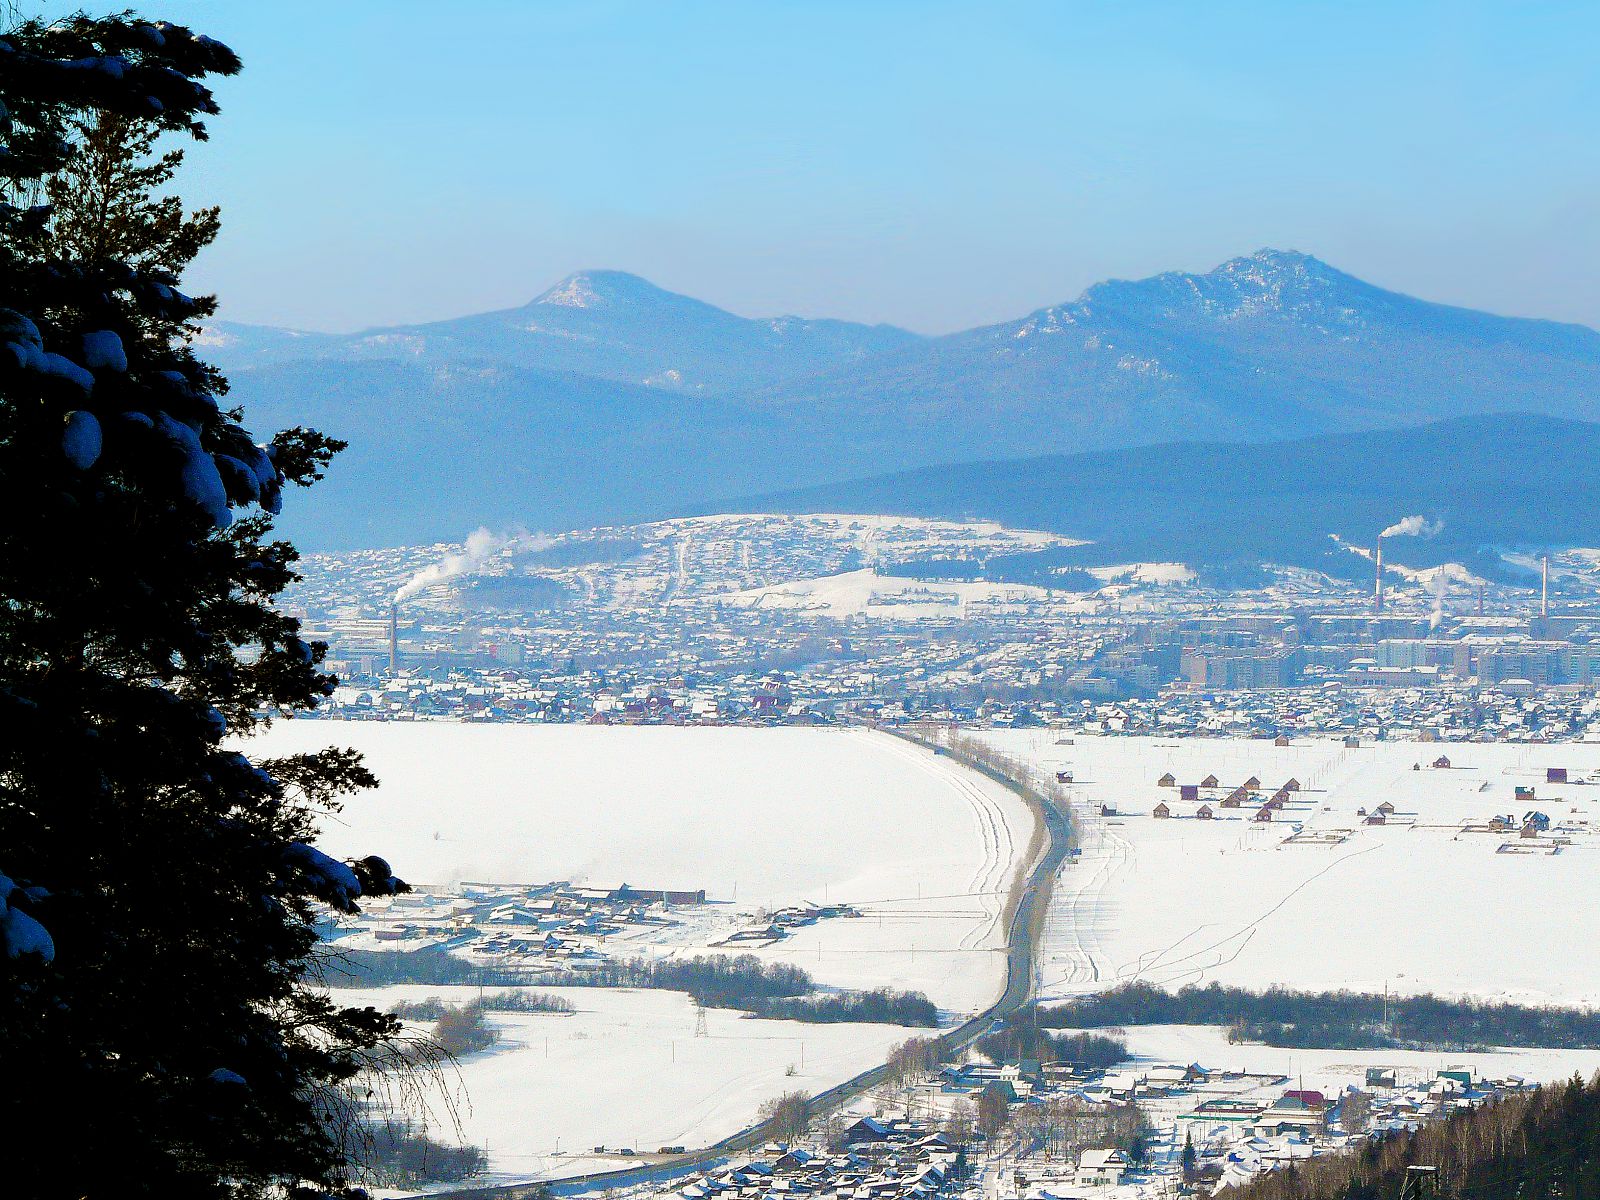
(1077, 911)
(990, 881)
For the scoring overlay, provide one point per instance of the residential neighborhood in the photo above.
(701, 622)
(1202, 1128)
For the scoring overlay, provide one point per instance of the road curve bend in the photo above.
(1023, 937)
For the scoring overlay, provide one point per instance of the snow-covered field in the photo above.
(1421, 903)
(759, 818)
(627, 1071)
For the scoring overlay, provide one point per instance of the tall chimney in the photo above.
(394, 640)
(1544, 587)
(1377, 594)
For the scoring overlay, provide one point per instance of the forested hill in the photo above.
(1498, 480)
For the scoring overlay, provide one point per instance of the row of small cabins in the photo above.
(1532, 824)
(1246, 794)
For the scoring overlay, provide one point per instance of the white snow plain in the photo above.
(626, 1071)
(1428, 902)
(925, 849)
(760, 818)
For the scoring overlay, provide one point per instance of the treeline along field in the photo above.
(1021, 1037)
(776, 990)
(1334, 1020)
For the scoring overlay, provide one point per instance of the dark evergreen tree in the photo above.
(157, 889)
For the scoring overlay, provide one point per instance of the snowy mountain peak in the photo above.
(599, 289)
(1279, 269)
(1284, 284)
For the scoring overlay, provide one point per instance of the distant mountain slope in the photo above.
(1265, 346)
(1499, 480)
(502, 447)
(608, 398)
(606, 324)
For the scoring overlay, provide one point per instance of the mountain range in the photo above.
(603, 324)
(607, 399)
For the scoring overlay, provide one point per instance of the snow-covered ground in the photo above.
(760, 818)
(1420, 904)
(627, 1071)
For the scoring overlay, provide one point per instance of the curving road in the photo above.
(1022, 953)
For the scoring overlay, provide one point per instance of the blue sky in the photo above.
(929, 164)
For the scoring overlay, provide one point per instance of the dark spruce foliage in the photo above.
(157, 890)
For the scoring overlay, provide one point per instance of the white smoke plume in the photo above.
(1441, 591)
(1417, 526)
(481, 545)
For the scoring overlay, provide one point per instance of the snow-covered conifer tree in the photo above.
(157, 888)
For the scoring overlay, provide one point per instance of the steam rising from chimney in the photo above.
(1417, 526)
(1441, 592)
(1377, 592)
(480, 547)
(1414, 526)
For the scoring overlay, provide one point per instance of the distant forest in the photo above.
(1538, 1145)
(740, 981)
(1334, 1020)
(1040, 568)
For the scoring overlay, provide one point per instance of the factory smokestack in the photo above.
(1377, 593)
(1544, 587)
(394, 640)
